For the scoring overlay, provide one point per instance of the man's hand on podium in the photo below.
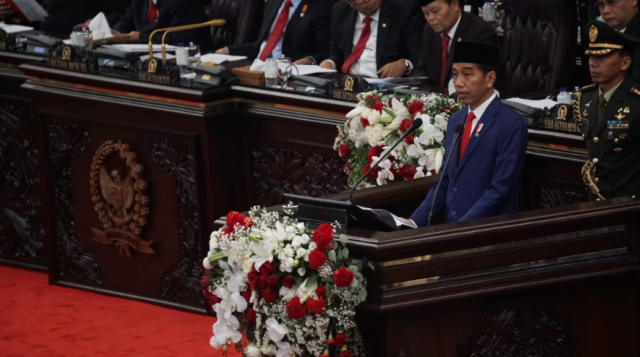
(326, 65)
(222, 51)
(393, 70)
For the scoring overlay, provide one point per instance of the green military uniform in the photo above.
(613, 140)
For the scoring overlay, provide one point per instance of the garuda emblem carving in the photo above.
(120, 200)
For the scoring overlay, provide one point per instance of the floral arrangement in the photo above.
(290, 291)
(378, 121)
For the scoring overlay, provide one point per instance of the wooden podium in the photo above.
(549, 283)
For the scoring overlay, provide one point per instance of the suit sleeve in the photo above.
(322, 35)
(336, 53)
(412, 35)
(187, 13)
(250, 50)
(506, 173)
(421, 215)
(420, 68)
(126, 24)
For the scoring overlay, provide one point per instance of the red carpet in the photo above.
(37, 319)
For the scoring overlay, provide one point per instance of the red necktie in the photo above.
(359, 48)
(278, 28)
(151, 14)
(465, 136)
(445, 58)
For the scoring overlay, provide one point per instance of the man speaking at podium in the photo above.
(481, 175)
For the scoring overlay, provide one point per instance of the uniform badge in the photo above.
(610, 135)
(478, 129)
(593, 33)
(626, 110)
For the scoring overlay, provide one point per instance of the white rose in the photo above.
(268, 350)
(373, 117)
(301, 253)
(207, 263)
(312, 246)
(252, 351)
(301, 227)
(289, 251)
(297, 241)
(305, 238)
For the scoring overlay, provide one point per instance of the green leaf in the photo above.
(390, 112)
(312, 279)
(354, 283)
(332, 256)
(345, 252)
(353, 268)
(344, 239)
(362, 295)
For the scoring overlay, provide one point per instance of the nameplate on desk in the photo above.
(75, 66)
(344, 95)
(562, 119)
(561, 126)
(154, 78)
(348, 88)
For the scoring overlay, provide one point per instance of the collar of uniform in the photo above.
(374, 17)
(479, 111)
(452, 32)
(607, 96)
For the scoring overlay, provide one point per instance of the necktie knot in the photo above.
(287, 4)
(445, 38)
(367, 20)
(470, 118)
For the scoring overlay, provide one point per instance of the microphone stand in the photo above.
(456, 136)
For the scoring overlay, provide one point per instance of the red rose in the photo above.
(373, 174)
(247, 295)
(408, 172)
(404, 125)
(415, 107)
(409, 138)
(344, 150)
(364, 122)
(295, 310)
(272, 281)
(342, 277)
(232, 218)
(262, 282)
(321, 291)
(371, 100)
(205, 281)
(331, 342)
(253, 278)
(267, 268)
(248, 222)
(208, 271)
(316, 306)
(287, 282)
(374, 151)
(340, 339)
(250, 315)
(345, 353)
(323, 236)
(269, 295)
(316, 259)
(378, 106)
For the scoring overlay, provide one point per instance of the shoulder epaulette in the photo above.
(635, 91)
(589, 87)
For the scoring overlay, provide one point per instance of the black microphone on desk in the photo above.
(416, 124)
(456, 136)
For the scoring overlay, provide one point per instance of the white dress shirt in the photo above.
(366, 65)
(452, 33)
(479, 111)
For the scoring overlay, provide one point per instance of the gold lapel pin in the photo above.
(384, 25)
(459, 39)
(302, 14)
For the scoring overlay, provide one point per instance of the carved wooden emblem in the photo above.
(120, 199)
(153, 65)
(66, 53)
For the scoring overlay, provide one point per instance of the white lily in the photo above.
(236, 282)
(234, 303)
(286, 293)
(275, 331)
(385, 174)
(438, 159)
(306, 291)
(401, 111)
(252, 351)
(225, 331)
(263, 252)
(286, 350)
(355, 112)
(440, 122)
(430, 135)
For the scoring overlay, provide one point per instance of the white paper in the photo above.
(99, 27)
(139, 47)
(400, 221)
(14, 28)
(257, 66)
(540, 104)
(157, 55)
(219, 58)
(31, 9)
(67, 41)
(304, 70)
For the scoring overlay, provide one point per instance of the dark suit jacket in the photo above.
(305, 36)
(399, 27)
(65, 14)
(170, 13)
(617, 148)
(471, 29)
(633, 29)
(485, 182)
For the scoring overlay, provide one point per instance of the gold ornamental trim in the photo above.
(122, 204)
(605, 45)
(589, 178)
(562, 112)
(593, 33)
(153, 65)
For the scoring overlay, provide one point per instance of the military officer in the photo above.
(609, 111)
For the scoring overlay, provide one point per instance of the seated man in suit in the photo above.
(623, 16)
(299, 29)
(448, 25)
(374, 38)
(65, 14)
(144, 16)
(482, 177)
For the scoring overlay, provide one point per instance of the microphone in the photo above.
(416, 124)
(456, 136)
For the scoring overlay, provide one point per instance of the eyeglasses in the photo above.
(602, 4)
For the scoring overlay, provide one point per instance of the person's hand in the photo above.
(84, 24)
(326, 65)
(222, 51)
(393, 70)
(303, 61)
(134, 35)
(5, 11)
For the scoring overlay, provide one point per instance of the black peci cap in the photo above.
(478, 53)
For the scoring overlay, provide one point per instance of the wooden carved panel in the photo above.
(277, 171)
(178, 159)
(518, 329)
(555, 197)
(21, 229)
(66, 142)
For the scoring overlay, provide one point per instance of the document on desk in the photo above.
(139, 48)
(382, 214)
(219, 58)
(157, 55)
(305, 69)
(14, 28)
(28, 10)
